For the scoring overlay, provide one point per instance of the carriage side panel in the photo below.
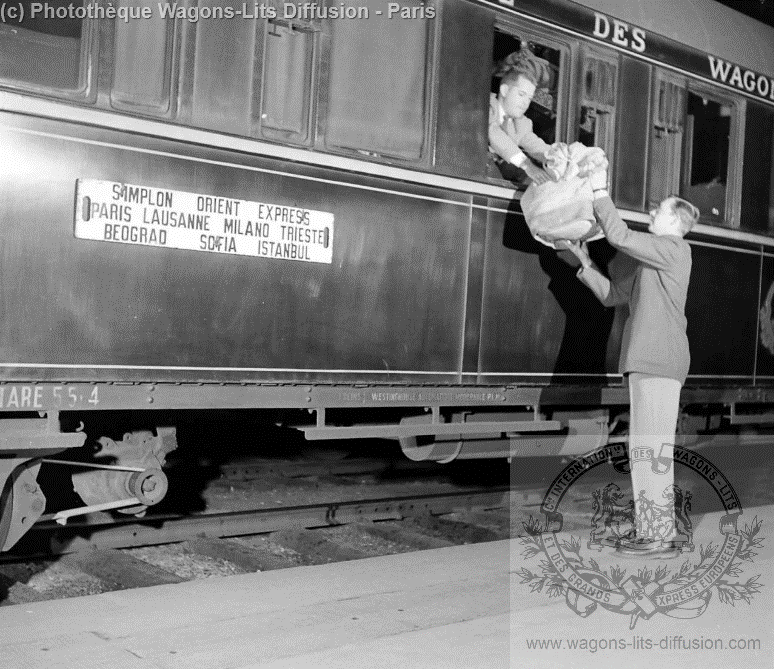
(722, 313)
(391, 300)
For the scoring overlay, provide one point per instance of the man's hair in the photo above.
(524, 69)
(687, 213)
(523, 63)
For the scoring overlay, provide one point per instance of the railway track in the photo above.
(100, 553)
(350, 508)
(52, 539)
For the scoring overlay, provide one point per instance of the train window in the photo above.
(667, 130)
(143, 63)
(709, 124)
(220, 73)
(287, 81)
(758, 172)
(543, 111)
(695, 148)
(45, 48)
(596, 118)
(378, 75)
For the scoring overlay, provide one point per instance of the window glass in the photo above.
(142, 61)
(596, 119)
(222, 96)
(771, 190)
(707, 142)
(287, 72)
(44, 47)
(376, 95)
(667, 134)
(543, 110)
(757, 207)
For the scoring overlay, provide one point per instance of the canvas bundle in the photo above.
(563, 209)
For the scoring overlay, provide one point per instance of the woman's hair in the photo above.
(686, 212)
(523, 63)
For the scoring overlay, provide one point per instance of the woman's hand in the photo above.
(538, 175)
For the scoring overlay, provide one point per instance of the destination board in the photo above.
(110, 211)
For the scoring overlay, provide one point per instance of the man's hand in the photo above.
(579, 250)
(598, 180)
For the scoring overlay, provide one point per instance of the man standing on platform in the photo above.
(654, 351)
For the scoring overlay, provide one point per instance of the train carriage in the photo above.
(292, 207)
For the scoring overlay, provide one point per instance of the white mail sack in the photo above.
(563, 209)
(559, 210)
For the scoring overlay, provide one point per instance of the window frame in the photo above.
(756, 124)
(732, 213)
(312, 87)
(187, 113)
(174, 36)
(567, 80)
(90, 45)
(611, 57)
(431, 68)
(681, 81)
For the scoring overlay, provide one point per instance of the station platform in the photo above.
(409, 610)
(464, 606)
(699, 637)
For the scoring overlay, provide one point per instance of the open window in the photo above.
(544, 111)
(695, 148)
(710, 161)
(43, 50)
(707, 143)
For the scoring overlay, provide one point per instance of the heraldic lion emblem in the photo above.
(612, 521)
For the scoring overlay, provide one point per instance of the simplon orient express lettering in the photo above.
(116, 212)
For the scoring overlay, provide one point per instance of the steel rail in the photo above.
(347, 466)
(46, 539)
